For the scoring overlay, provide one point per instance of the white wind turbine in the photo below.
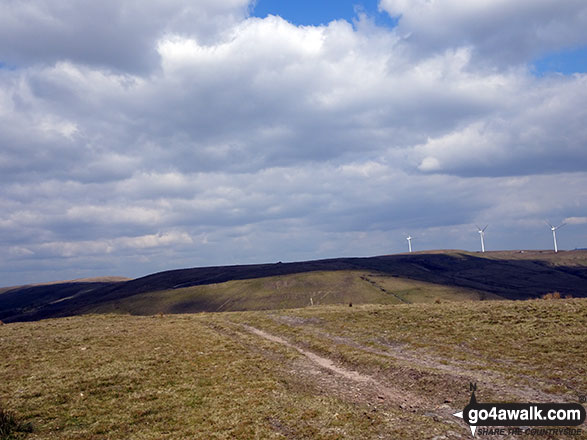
(553, 229)
(409, 238)
(482, 234)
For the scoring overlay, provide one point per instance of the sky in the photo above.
(137, 137)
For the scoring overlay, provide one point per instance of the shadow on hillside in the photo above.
(509, 278)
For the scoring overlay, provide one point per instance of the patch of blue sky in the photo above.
(565, 62)
(318, 12)
(4, 66)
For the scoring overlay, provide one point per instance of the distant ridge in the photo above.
(508, 274)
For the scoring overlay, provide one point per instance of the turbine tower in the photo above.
(409, 238)
(482, 234)
(553, 229)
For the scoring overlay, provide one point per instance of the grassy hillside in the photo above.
(405, 278)
(325, 372)
(289, 291)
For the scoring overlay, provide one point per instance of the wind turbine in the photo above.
(409, 238)
(482, 234)
(553, 229)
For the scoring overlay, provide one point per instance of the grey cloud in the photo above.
(500, 31)
(542, 130)
(118, 35)
(263, 141)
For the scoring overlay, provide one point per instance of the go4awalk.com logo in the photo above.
(519, 418)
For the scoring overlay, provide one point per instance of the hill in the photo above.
(325, 372)
(288, 291)
(403, 278)
(27, 300)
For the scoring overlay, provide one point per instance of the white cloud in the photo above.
(20, 251)
(207, 137)
(366, 169)
(575, 220)
(113, 214)
(155, 240)
(63, 128)
(540, 131)
(71, 249)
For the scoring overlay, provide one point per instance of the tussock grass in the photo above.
(11, 428)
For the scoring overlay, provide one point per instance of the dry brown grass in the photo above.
(552, 295)
(180, 377)
(11, 428)
(204, 376)
(507, 346)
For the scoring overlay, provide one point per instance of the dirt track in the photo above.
(360, 386)
(375, 389)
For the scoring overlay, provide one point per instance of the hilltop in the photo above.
(390, 279)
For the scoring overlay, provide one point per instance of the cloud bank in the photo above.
(139, 137)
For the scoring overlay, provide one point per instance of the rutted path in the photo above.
(368, 386)
(384, 290)
(465, 371)
(321, 361)
(368, 390)
(384, 392)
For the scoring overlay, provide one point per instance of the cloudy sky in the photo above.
(142, 136)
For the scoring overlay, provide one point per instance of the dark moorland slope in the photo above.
(507, 274)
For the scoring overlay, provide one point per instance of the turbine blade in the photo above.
(484, 228)
(561, 225)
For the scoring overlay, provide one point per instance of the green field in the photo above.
(392, 371)
(290, 291)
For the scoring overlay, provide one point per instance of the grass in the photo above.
(12, 428)
(180, 377)
(534, 343)
(290, 291)
(204, 376)
(413, 291)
